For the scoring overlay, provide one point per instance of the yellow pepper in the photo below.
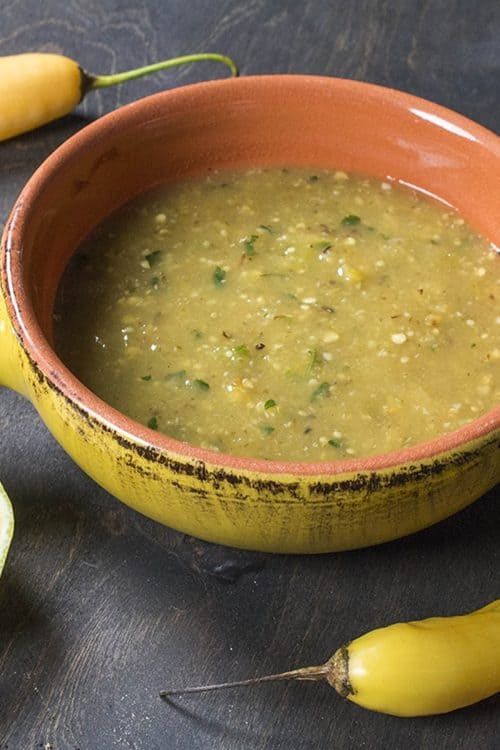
(36, 88)
(422, 668)
(409, 669)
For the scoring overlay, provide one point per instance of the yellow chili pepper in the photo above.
(422, 668)
(36, 88)
(409, 669)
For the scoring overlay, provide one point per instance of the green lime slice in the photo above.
(6, 525)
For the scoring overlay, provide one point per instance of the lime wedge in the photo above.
(6, 525)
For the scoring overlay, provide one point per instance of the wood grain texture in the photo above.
(100, 608)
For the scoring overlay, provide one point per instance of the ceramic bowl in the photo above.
(268, 120)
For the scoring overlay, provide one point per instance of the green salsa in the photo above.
(286, 314)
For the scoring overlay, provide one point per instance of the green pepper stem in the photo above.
(101, 82)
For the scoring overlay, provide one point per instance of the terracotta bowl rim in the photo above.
(45, 361)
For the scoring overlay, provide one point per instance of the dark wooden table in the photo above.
(99, 607)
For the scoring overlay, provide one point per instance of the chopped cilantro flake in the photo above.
(219, 276)
(322, 246)
(241, 351)
(249, 245)
(322, 391)
(350, 220)
(270, 403)
(201, 385)
(335, 443)
(153, 258)
(314, 360)
(153, 423)
(266, 429)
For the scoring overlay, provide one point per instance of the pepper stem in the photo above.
(305, 673)
(100, 82)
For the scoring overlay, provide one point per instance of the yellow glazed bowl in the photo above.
(268, 120)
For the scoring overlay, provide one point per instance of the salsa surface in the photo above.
(286, 314)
